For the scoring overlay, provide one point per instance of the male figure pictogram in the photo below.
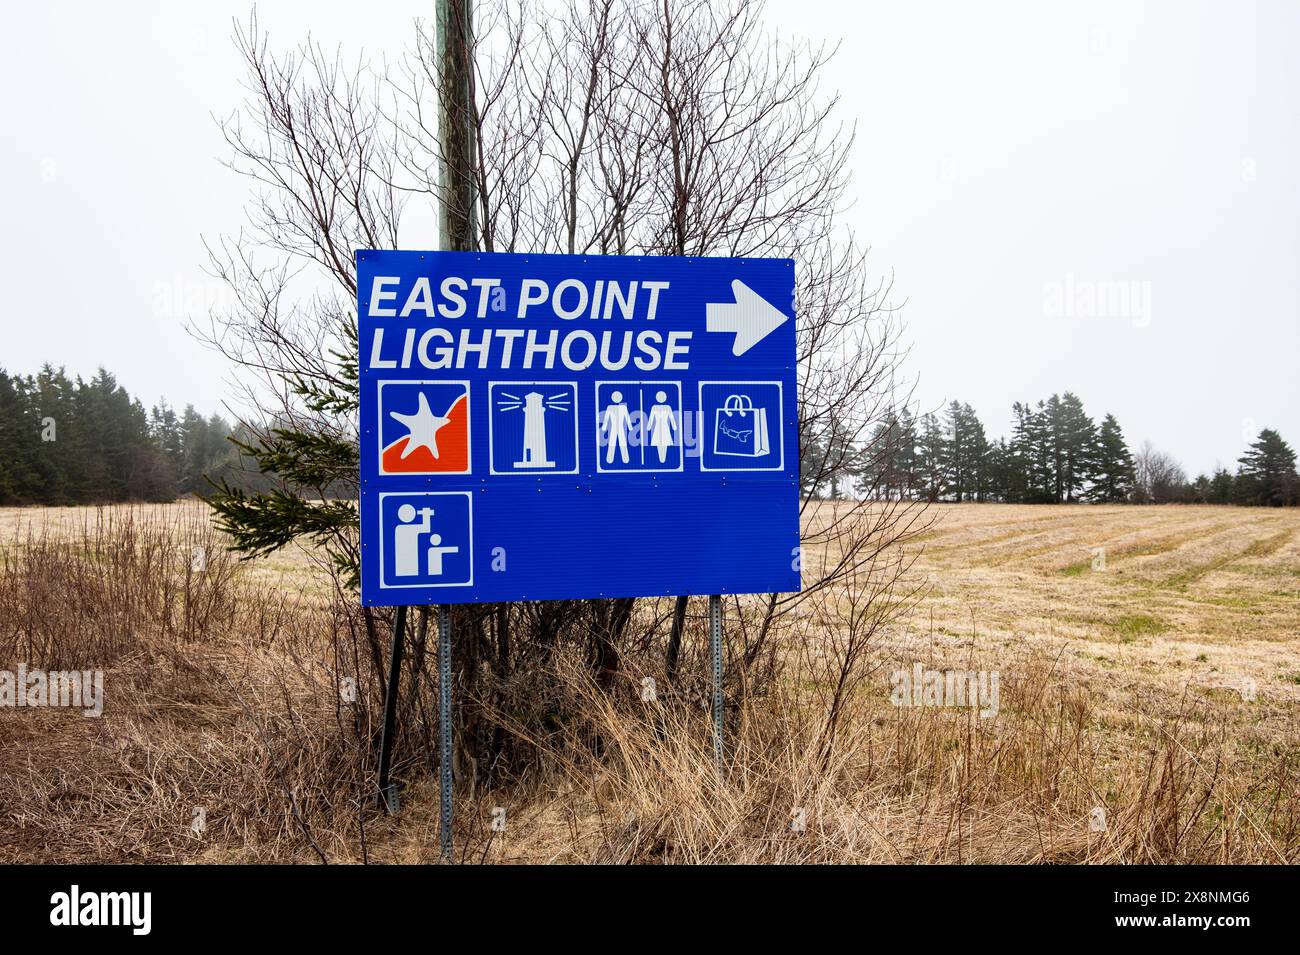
(615, 425)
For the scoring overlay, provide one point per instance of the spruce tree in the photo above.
(1020, 456)
(1034, 445)
(1221, 486)
(906, 460)
(18, 440)
(165, 429)
(998, 471)
(810, 472)
(885, 471)
(1267, 472)
(931, 452)
(954, 455)
(313, 474)
(1113, 475)
(977, 453)
(1077, 436)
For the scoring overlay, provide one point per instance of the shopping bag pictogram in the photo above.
(741, 428)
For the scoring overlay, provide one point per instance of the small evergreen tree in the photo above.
(1221, 486)
(1267, 472)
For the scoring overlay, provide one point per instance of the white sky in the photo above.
(1007, 152)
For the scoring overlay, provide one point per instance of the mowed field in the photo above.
(1176, 596)
(1135, 583)
(1149, 661)
(1151, 612)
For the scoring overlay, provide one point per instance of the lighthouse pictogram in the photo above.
(533, 428)
(535, 432)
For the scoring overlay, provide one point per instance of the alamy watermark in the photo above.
(76, 907)
(970, 689)
(74, 689)
(1105, 298)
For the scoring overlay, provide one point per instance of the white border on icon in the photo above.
(679, 444)
(382, 537)
(780, 424)
(469, 426)
(537, 472)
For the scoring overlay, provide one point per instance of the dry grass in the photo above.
(1120, 689)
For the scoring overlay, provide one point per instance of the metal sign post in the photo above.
(388, 791)
(444, 729)
(715, 640)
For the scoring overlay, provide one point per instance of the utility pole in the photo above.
(458, 215)
(458, 232)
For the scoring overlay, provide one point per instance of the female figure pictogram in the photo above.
(661, 424)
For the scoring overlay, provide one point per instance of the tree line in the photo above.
(1056, 454)
(77, 441)
(73, 441)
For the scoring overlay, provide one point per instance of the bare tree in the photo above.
(672, 128)
(1160, 478)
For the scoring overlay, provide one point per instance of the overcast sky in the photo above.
(1095, 197)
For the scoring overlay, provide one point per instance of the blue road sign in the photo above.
(546, 427)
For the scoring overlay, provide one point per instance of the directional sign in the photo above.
(545, 427)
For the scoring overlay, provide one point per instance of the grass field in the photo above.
(1202, 598)
(1149, 656)
(1151, 611)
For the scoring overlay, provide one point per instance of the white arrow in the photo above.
(751, 317)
